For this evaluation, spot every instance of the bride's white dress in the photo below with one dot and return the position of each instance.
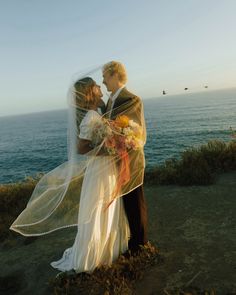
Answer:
(102, 235)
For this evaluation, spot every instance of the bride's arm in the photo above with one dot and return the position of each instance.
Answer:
(84, 146)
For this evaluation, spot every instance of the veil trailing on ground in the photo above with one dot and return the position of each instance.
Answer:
(119, 134)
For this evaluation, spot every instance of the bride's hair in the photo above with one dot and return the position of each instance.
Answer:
(84, 96)
(116, 67)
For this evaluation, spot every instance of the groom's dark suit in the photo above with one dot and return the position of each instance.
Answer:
(134, 202)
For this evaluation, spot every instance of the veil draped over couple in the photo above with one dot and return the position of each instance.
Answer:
(99, 189)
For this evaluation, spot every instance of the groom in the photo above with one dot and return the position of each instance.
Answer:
(114, 78)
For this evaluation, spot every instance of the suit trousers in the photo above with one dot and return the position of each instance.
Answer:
(136, 211)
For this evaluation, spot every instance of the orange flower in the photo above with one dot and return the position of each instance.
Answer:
(122, 121)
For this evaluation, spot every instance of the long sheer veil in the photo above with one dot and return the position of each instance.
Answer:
(55, 201)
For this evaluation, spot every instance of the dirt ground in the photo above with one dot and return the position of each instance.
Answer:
(193, 227)
(195, 230)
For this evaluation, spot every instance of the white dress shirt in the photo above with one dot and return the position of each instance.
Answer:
(114, 96)
(99, 110)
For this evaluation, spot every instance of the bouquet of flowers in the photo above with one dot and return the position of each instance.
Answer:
(119, 135)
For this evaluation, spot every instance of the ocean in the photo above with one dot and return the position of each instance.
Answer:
(37, 142)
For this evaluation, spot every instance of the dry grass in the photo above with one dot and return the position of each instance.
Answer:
(117, 279)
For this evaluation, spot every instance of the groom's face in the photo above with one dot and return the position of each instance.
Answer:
(109, 81)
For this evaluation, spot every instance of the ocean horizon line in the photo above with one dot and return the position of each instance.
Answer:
(144, 99)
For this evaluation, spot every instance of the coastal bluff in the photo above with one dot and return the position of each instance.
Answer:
(193, 228)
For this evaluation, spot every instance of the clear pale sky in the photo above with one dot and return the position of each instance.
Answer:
(164, 45)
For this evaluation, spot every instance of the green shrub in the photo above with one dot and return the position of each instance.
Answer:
(194, 169)
(13, 200)
(196, 166)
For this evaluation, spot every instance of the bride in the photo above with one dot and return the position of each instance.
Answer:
(101, 240)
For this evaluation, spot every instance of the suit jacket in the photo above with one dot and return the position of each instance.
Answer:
(129, 103)
(126, 100)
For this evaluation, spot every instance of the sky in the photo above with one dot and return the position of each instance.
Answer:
(164, 45)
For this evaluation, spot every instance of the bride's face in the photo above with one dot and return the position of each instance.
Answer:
(97, 91)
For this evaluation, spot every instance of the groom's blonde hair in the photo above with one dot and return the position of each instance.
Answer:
(116, 67)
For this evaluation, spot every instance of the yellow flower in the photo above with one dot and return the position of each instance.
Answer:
(122, 121)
